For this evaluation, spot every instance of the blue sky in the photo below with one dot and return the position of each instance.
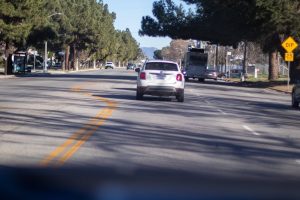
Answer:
(129, 15)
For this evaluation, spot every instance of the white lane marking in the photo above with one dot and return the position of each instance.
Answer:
(221, 111)
(250, 130)
(206, 101)
(298, 162)
(249, 94)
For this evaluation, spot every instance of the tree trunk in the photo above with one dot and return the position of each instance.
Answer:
(295, 69)
(217, 59)
(67, 58)
(6, 54)
(273, 65)
(74, 56)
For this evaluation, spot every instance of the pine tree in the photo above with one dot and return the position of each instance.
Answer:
(16, 21)
(228, 22)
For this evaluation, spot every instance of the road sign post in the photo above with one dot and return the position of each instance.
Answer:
(289, 45)
(288, 81)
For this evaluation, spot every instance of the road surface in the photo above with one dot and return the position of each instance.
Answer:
(91, 119)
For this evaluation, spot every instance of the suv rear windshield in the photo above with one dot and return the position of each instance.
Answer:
(161, 66)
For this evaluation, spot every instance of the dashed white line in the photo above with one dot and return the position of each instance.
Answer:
(206, 101)
(298, 162)
(249, 94)
(221, 111)
(250, 130)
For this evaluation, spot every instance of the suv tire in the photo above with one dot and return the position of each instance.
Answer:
(139, 95)
(180, 96)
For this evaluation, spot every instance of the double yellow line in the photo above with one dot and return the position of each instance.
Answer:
(66, 150)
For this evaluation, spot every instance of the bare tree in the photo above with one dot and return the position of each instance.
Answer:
(176, 50)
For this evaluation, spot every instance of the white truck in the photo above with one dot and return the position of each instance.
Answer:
(195, 64)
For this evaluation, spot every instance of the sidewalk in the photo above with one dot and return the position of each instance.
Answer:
(2, 76)
(41, 72)
(51, 71)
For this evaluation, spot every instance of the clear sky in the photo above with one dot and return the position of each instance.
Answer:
(129, 15)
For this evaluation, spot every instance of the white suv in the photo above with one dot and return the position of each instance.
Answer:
(160, 78)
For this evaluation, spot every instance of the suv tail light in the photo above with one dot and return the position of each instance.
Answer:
(143, 76)
(179, 77)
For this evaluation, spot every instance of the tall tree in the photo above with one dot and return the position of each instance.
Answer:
(74, 25)
(228, 22)
(16, 21)
(158, 54)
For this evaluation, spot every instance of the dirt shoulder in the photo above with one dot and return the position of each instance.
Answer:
(279, 85)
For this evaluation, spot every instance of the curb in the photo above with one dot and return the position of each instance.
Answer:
(277, 91)
(7, 76)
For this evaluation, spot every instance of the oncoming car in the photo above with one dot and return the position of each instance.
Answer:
(211, 74)
(160, 78)
(109, 65)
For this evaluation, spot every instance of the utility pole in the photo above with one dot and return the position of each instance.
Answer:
(34, 60)
(228, 53)
(245, 58)
(226, 49)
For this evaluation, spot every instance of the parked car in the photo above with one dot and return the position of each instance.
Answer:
(109, 65)
(211, 74)
(160, 78)
(131, 66)
(296, 95)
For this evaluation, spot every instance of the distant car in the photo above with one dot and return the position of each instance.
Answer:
(131, 66)
(160, 78)
(211, 74)
(296, 95)
(109, 65)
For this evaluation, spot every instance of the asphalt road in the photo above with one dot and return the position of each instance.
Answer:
(91, 119)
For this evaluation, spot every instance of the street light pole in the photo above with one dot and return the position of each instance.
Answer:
(46, 57)
(228, 64)
(34, 60)
(46, 44)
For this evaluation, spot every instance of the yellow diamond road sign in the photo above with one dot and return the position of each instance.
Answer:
(289, 44)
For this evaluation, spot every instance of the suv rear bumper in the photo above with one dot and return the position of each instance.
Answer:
(160, 90)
